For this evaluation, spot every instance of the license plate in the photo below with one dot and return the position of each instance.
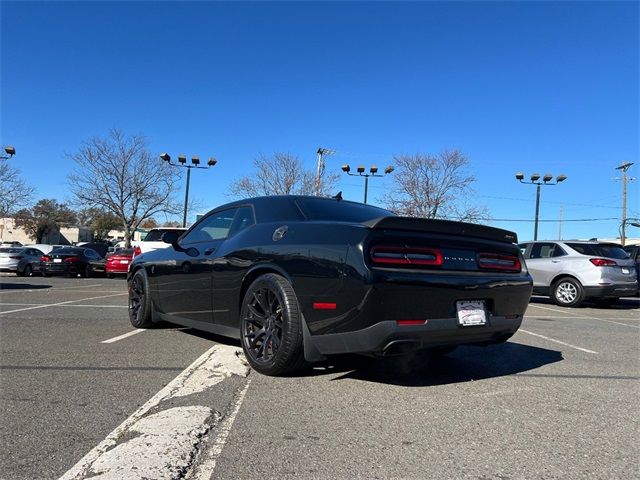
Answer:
(471, 312)
(57, 260)
(124, 261)
(626, 270)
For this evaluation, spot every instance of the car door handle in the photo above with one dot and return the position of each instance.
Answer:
(555, 261)
(209, 251)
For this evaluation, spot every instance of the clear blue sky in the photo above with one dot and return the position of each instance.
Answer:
(546, 87)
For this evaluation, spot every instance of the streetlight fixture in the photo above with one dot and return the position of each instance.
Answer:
(10, 152)
(182, 162)
(373, 172)
(535, 180)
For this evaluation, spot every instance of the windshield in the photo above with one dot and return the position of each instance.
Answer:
(600, 250)
(67, 250)
(155, 235)
(339, 211)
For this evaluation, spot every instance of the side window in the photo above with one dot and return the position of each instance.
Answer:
(242, 220)
(558, 251)
(542, 250)
(214, 227)
(90, 253)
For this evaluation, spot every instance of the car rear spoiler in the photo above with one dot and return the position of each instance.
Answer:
(442, 226)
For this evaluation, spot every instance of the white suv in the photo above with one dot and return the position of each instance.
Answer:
(570, 271)
(153, 240)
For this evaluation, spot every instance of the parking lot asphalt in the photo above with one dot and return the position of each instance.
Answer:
(559, 400)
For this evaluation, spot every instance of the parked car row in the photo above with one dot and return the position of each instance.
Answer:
(63, 260)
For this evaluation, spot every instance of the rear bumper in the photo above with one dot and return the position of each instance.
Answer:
(615, 290)
(387, 337)
(61, 269)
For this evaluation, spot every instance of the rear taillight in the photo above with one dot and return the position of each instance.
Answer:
(136, 251)
(501, 262)
(389, 255)
(72, 259)
(45, 258)
(602, 262)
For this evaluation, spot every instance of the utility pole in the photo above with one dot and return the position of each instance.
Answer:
(560, 224)
(624, 167)
(321, 153)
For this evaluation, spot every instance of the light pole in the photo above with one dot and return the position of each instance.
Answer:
(10, 152)
(182, 162)
(623, 168)
(535, 180)
(373, 172)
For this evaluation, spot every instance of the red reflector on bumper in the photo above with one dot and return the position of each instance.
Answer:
(324, 306)
(411, 322)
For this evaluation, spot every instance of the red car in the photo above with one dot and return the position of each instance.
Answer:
(118, 263)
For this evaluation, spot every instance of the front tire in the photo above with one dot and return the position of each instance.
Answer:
(28, 270)
(140, 301)
(271, 326)
(568, 292)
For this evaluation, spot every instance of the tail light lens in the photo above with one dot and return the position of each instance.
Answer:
(72, 259)
(137, 251)
(501, 262)
(390, 255)
(45, 258)
(602, 262)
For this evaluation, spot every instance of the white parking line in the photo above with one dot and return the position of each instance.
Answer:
(38, 304)
(80, 469)
(558, 341)
(59, 303)
(586, 317)
(208, 464)
(126, 335)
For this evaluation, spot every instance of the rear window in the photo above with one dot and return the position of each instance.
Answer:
(339, 211)
(156, 234)
(11, 250)
(74, 251)
(600, 250)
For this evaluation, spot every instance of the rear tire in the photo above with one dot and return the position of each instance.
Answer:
(271, 326)
(140, 300)
(568, 292)
(87, 272)
(28, 270)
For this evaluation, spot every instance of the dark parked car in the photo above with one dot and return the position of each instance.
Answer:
(299, 278)
(634, 254)
(71, 261)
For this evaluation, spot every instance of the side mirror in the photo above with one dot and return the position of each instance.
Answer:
(170, 238)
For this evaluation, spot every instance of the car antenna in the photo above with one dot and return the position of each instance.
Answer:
(338, 196)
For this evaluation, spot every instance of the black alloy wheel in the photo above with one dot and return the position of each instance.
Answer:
(139, 301)
(28, 270)
(271, 326)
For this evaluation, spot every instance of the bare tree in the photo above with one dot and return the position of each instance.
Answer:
(434, 186)
(14, 192)
(281, 174)
(119, 175)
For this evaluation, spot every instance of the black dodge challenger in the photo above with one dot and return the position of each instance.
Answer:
(298, 278)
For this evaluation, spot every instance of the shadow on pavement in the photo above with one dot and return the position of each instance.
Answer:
(22, 286)
(464, 364)
(627, 303)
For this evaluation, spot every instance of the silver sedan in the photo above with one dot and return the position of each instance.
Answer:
(20, 260)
